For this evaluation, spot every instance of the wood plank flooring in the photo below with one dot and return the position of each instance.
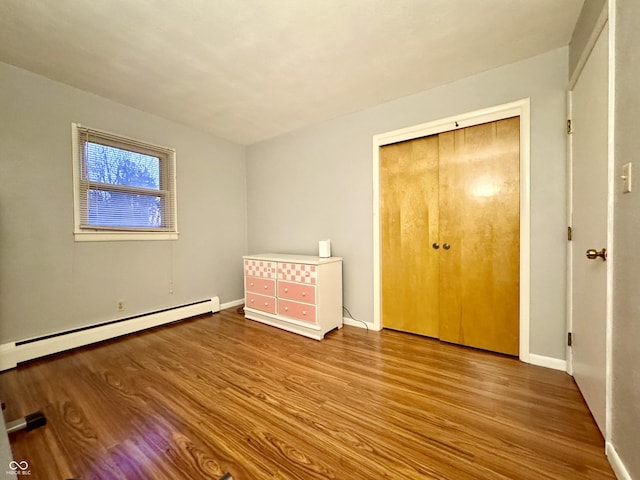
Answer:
(219, 393)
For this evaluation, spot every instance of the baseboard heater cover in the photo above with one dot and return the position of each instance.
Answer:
(13, 353)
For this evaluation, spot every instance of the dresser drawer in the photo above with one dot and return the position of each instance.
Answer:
(297, 291)
(298, 272)
(260, 268)
(299, 311)
(261, 302)
(263, 286)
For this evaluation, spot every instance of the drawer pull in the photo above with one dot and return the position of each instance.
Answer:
(286, 309)
(304, 294)
(304, 312)
(306, 274)
(251, 301)
(251, 284)
(266, 304)
(266, 286)
(286, 290)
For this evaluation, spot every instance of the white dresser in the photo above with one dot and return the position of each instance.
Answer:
(298, 293)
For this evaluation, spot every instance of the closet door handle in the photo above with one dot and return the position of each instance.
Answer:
(435, 246)
(446, 246)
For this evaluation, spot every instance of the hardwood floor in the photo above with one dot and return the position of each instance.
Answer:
(220, 393)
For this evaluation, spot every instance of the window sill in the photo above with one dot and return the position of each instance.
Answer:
(123, 236)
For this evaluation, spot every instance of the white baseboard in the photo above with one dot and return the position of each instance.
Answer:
(616, 463)
(7, 357)
(352, 323)
(355, 323)
(13, 353)
(234, 303)
(548, 362)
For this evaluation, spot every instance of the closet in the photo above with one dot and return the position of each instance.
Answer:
(450, 235)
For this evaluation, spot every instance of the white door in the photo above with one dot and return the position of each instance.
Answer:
(589, 101)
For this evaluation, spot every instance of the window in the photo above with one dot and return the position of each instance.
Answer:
(124, 188)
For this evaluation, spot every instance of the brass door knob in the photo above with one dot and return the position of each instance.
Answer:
(592, 254)
(435, 246)
(446, 246)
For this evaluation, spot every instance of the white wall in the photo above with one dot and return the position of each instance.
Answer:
(625, 429)
(48, 282)
(317, 183)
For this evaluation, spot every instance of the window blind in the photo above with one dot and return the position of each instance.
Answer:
(124, 184)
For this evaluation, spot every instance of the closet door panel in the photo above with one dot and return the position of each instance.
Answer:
(409, 226)
(479, 219)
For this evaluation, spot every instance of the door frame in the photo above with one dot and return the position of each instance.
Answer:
(519, 108)
(606, 16)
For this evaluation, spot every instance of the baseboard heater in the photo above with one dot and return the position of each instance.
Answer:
(13, 353)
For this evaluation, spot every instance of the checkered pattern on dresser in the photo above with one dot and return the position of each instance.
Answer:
(260, 268)
(297, 272)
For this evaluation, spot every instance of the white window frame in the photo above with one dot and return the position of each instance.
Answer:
(93, 234)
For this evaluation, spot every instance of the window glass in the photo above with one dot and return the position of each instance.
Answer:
(121, 167)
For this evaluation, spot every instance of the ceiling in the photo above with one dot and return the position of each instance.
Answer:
(248, 70)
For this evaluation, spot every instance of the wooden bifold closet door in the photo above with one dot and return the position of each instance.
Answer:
(450, 235)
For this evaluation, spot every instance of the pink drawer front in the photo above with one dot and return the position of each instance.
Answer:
(299, 311)
(298, 272)
(260, 268)
(297, 291)
(261, 302)
(264, 286)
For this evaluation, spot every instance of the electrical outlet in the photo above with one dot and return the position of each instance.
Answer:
(120, 305)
